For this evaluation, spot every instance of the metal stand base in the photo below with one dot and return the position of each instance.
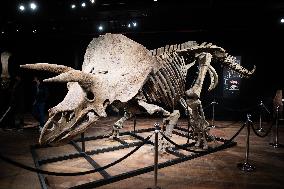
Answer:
(276, 145)
(246, 167)
(261, 130)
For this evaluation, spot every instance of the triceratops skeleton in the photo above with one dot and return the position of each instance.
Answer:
(117, 71)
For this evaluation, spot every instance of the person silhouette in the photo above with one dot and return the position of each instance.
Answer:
(40, 97)
(17, 102)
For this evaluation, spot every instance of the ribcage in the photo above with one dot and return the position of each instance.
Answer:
(167, 85)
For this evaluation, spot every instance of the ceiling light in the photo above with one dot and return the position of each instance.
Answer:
(33, 6)
(100, 28)
(34, 31)
(73, 6)
(155, 0)
(129, 25)
(22, 7)
(83, 4)
(282, 20)
(93, 1)
(134, 24)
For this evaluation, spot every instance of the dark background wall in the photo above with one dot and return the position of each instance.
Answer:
(250, 29)
(264, 52)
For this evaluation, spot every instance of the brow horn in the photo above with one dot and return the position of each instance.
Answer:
(54, 68)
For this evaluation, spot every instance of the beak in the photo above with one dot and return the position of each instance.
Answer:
(64, 126)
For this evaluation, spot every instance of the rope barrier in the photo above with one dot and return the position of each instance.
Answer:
(4, 115)
(179, 146)
(32, 169)
(196, 151)
(260, 135)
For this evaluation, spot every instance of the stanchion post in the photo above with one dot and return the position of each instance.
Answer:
(260, 129)
(213, 103)
(83, 141)
(276, 144)
(246, 166)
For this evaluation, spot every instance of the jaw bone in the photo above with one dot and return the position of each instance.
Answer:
(63, 126)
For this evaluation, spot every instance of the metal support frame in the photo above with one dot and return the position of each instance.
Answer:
(156, 156)
(246, 166)
(134, 123)
(107, 178)
(276, 143)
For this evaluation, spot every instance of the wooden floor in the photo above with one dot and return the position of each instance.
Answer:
(217, 170)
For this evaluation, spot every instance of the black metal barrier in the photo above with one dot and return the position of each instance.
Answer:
(37, 170)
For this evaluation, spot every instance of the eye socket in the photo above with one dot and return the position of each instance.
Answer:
(90, 96)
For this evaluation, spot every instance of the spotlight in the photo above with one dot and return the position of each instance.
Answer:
(155, 0)
(83, 4)
(22, 7)
(282, 20)
(73, 6)
(34, 31)
(134, 24)
(33, 6)
(100, 28)
(129, 25)
(17, 30)
(2, 32)
(92, 1)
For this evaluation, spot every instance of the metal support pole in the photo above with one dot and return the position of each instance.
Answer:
(134, 124)
(83, 141)
(276, 144)
(246, 166)
(157, 130)
(188, 125)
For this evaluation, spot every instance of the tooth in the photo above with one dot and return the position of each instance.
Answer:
(62, 119)
(71, 116)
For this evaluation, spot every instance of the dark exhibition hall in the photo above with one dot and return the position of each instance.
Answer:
(144, 94)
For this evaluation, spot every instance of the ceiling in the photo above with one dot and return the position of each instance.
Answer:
(57, 17)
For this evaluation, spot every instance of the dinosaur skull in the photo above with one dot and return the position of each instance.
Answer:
(70, 117)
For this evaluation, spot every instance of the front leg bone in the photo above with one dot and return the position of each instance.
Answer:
(119, 124)
(170, 122)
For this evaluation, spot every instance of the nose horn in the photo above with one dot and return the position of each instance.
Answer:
(84, 79)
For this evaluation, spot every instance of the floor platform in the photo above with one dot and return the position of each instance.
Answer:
(215, 170)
